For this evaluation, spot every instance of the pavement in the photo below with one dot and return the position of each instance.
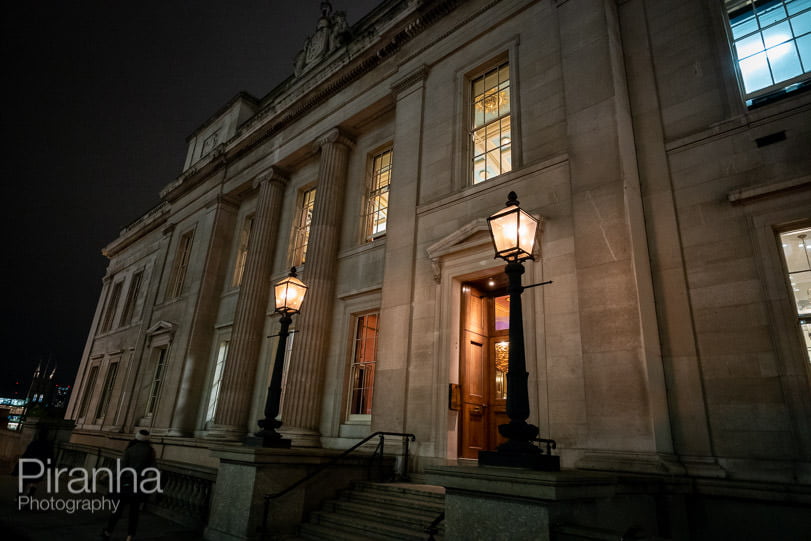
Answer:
(81, 525)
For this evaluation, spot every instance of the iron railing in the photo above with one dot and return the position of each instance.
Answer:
(377, 454)
(433, 528)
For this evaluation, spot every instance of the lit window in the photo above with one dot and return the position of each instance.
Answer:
(181, 264)
(362, 371)
(242, 251)
(112, 306)
(771, 41)
(88, 390)
(377, 201)
(222, 353)
(797, 253)
(157, 379)
(301, 233)
(107, 391)
(491, 127)
(132, 298)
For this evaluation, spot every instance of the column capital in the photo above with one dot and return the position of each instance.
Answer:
(409, 80)
(272, 174)
(336, 136)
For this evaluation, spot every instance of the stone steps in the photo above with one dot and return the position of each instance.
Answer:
(377, 511)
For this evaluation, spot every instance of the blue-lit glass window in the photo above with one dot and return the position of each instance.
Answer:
(772, 43)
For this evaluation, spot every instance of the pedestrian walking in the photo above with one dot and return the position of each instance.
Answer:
(139, 455)
(39, 449)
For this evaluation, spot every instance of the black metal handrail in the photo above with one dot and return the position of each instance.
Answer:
(433, 528)
(378, 452)
(550, 444)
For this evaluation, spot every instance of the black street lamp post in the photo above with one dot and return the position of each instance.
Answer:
(289, 294)
(513, 231)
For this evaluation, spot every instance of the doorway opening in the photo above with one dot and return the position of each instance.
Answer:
(485, 325)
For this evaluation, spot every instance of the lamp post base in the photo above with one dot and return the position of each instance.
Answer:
(519, 451)
(536, 461)
(270, 439)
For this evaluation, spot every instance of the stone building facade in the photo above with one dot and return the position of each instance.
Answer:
(667, 154)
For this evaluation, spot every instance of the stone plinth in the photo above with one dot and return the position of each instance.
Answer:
(246, 474)
(490, 503)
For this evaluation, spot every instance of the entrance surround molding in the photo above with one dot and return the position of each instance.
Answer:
(464, 255)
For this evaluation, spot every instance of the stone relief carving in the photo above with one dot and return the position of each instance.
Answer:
(331, 33)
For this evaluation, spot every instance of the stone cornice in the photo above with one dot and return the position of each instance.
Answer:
(138, 229)
(338, 72)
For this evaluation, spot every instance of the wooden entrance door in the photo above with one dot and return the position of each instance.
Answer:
(482, 374)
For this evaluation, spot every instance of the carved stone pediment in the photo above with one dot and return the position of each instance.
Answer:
(473, 236)
(161, 327)
(331, 33)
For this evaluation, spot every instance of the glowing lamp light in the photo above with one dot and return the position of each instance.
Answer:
(290, 294)
(513, 231)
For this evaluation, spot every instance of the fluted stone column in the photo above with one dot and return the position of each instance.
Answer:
(301, 410)
(236, 389)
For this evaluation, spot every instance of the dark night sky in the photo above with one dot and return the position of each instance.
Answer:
(100, 97)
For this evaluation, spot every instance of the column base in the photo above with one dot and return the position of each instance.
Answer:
(301, 437)
(226, 433)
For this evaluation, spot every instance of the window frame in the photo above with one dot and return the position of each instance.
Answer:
(180, 265)
(160, 358)
(470, 128)
(223, 344)
(353, 353)
(106, 390)
(777, 89)
(241, 257)
(112, 307)
(368, 213)
(298, 251)
(134, 291)
(800, 319)
(87, 393)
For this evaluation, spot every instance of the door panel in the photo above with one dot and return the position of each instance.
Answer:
(483, 370)
(497, 401)
(474, 434)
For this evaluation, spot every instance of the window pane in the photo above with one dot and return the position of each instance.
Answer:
(502, 309)
(796, 6)
(478, 87)
(302, 233)
(222, 353)
(364, 358)
(491, 80)
(755, 72)
(771, 13)
(749, 46)
(506, 159)
(784, 61)
(777, 34)
(801, 24)
(479, 142)
(806, 330)
(504, 73)
(504, 101)
(493, 135)
(479, 170)
(743, 25)
(797, 250)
